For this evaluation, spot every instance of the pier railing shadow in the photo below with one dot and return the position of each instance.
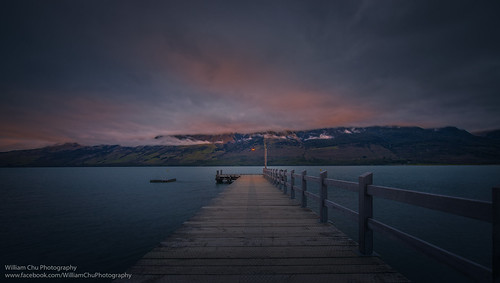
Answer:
(298, 187)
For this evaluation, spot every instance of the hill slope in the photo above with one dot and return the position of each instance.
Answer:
(332, 146)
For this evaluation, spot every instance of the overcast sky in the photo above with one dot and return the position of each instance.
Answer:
(123, 72)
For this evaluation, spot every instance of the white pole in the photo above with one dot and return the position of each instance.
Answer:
(265, 153)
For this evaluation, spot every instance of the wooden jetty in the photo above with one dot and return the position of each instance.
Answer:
(225, 178)
(252, 232)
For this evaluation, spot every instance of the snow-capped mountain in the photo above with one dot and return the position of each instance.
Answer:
(334, 146)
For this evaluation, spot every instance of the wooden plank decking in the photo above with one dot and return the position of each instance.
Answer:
(253, 233)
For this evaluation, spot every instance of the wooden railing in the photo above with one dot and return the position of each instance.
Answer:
(486, 211)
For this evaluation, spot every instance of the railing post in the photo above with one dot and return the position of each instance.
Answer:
(281, 180)
(495, 267)
(365, 212)
(304, 188)
(292, 183)
(323, 194)
(284, 182)
(278, 175)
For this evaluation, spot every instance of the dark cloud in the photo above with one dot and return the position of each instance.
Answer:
(126, 71)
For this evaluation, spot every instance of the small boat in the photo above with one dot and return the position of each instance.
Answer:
(163, 181)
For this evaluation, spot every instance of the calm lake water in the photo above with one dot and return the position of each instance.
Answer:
(105, 219)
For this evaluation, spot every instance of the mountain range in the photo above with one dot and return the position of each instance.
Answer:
(328, 146)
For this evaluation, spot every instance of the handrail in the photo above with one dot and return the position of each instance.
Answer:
(346, 211)
(350, 186)
(475, 209)
(477, 271)
(312, 195)
(312, 179)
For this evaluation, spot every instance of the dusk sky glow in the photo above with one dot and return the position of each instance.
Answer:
(123, 72)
